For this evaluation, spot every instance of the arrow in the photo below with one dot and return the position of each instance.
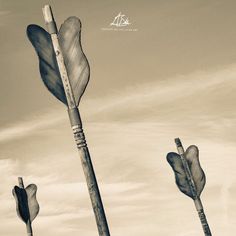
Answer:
(64, 70)
(190, 178)
(27, 207)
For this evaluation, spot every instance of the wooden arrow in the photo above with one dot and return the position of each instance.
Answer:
(190, 178)
(27, 207)
(65, 72)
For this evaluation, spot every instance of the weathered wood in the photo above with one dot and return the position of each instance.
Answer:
(77, 129)
(21, 183)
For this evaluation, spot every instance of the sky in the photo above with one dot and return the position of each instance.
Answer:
(174, 76)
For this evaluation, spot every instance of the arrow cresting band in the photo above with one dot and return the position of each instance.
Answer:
(79, 136)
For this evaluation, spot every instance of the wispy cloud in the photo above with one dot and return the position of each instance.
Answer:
(4, 13)
(156, 101)
(31, 124)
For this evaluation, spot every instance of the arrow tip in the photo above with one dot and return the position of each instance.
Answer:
(178, 142)
(20, 181)
(47, 12)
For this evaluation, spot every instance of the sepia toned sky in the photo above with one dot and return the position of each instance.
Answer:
(173, 77)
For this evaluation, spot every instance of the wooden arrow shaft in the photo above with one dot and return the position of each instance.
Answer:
(29, 228)
(197, 200)
(77, 130)
(202, 216)
(63, 72)
(93, 189)
(52, 30)
(186, 168)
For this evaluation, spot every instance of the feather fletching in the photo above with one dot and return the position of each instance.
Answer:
(198, 175)
(77, 66)
(48, 67)
(33, 205)
(27, 207)
(75, 61)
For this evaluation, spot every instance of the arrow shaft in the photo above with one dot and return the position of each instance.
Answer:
(52, 30)
(92, 185)
(21, 183)
(197, 200)
(29, 228)
(63, 72)
(76, 125)
(187, 169)
(202, 216)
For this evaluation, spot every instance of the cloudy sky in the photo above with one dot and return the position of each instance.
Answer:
(173, 77)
